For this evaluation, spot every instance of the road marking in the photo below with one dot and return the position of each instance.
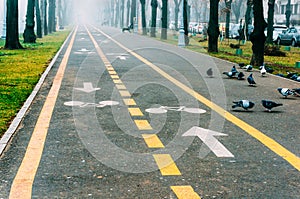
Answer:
(115, 76)
(152, 141)
(185, 192)
(112, 72)
(117, 81)
(255, 133)
(88, 87)
(143, 124)
(22, 184)
(166, 165)
(121, 87)
(135, 112)
(124, 93)
(129, 102)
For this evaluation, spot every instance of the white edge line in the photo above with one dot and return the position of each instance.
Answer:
(20, 115)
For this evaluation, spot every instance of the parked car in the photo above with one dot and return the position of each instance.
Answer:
(192, 27)
(290, 37)
(277, 29)
(234, 31)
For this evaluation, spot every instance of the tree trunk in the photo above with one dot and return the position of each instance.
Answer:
(228, 12)
(12, 25)
(133, 12)
(45, 18)
(164, 19)
(117, 11)
(257, 37)
(60, 18)
(29, 35)
(38, 19)
(248, 19)
(177, 3)
(122, 13)
(271, 4)
(51, 19)
(153, 17)
(143, 2)
(288, 13)
(185, 22)
(128, 12)
(213, 26)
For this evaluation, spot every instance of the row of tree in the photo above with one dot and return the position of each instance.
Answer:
(44, 11)
(254, 9)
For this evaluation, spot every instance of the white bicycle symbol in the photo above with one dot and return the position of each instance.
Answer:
(164, 109)
(83, 104)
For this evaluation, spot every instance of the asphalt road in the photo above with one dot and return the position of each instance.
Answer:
(133, 117)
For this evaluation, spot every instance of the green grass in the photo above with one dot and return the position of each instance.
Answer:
(279, 64)
(20, 70)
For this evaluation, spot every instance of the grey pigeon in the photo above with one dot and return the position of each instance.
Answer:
(285, 92)
(296, 91)
(250, 80)
(241, 65)
(233, 69)
(240, 76)
(209, 72)
(248, 67)
(245, 104)
(230, 74)
(270, 104)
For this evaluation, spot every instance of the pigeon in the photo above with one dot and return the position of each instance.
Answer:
(269, 70)
(230, 74)
(248, 67)
(285, 92)
(289, 74)
(296, 91)
(269, 104)
(250, 80)
(233, 69)
(245, 104)
(298, 79)
(240, 76)
(263, 71)
(241, 65)
(294, 77)
(209, 72)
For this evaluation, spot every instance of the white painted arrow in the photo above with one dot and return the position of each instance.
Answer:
(87, 87)
(122, 57)
(207, 137)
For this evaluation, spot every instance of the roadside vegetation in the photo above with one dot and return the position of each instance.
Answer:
(280, 64)
(20, 70)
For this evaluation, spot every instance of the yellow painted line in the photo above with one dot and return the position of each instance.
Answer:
(143, 125)
(110, 68)
(185, 192)
(166, 165)
(124, 93)
(255, 133)
(129, 102)
(22, 184)
(117, 81)
(112, 72)
(152, 141)
(115, 76)
(135, 112)
(121, 86)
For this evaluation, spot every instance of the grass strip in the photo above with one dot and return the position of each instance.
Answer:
(20, 70)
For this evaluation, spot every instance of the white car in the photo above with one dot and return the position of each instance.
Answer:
(277, 29)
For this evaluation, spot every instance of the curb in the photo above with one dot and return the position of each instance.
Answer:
(20, 115)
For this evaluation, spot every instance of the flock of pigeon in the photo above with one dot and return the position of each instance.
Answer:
(246, 104)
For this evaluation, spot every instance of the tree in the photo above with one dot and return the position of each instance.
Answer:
(122, 13)
(257, 37)
(143, 2)
(237, 8)
(271, 4)
(288, 13)
(213, 26)
(248, 18)
(185, 22)
(154, 5)
(38, 19)
(60, 17)
(29, 35)
(133, 12)
(12, 25)
(164, 19)
(128, 11)
(228, 11)
(51, 16)
(177, 3)
(45, 17)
